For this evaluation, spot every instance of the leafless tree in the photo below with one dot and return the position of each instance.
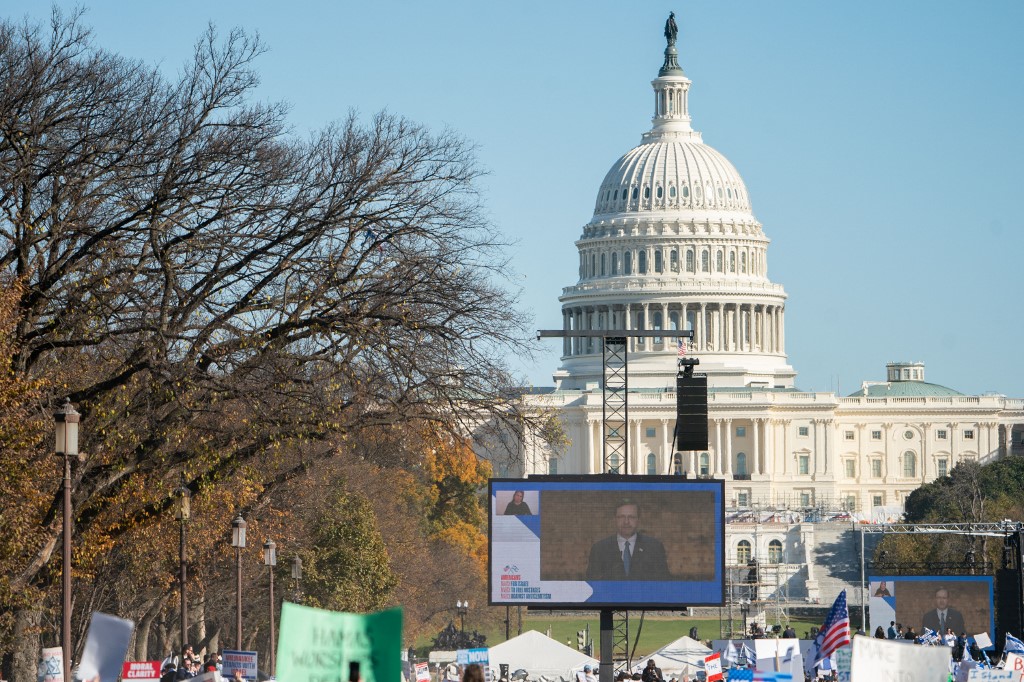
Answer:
(219, 287)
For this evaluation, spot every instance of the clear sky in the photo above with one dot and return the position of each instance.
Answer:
(881, 142)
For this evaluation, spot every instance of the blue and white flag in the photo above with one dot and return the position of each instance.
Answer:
(930, 637)
(729, 655)
(749, 654)
(1013, 645)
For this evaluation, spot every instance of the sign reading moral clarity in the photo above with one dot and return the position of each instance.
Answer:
(142, 671)
(317, 645)
(884, 659)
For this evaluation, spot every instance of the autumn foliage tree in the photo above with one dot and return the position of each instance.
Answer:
(223, 300)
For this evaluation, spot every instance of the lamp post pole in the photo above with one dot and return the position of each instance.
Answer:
(297, 576)
(461, 607)
(270, 559)
(183, 514)
(66, 422)
(238, 542)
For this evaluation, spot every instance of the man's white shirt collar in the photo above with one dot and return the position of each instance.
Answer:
(622, 543)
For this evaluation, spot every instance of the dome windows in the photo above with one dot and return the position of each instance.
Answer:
(705, 261)
(636, 193)
(659, 265)
(647, 192)
(672, 192)
(686, 191)
(615, 263)
(689, 260)
(660, 192)
(719, 262)
(641, 263)
(732, 261)
(627, 263)
(602, 264)
(673, 259)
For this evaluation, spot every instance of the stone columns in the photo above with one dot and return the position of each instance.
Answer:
(718, 448)
(953, 459)
(769, 447)
(666, 452)
(755, 427)
(728, 447)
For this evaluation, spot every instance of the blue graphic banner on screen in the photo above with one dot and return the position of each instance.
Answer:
(961, 603)
(606, 541)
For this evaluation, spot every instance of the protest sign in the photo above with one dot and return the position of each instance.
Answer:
(991, 675)
(246, 661)
(317, 645)
(422, 672)
(1015, 664)
(51, 667)
(713, 667)
(883, 660)
(142, 671)
(843, 655)
(105, 648)
(983, 641)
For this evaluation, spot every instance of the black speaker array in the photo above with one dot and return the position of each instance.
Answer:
(691, 412)
(1008, 605)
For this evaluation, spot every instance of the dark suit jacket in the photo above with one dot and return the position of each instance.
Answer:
(954, 619)
(648, 560)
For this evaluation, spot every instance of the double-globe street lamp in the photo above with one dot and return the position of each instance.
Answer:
(238, 542)
(270, 559)
(66, 422)
(461, 608)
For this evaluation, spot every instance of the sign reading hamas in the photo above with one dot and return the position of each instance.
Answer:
(318, 646)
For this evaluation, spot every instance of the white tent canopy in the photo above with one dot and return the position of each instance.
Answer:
(540, 656)
(685, 655)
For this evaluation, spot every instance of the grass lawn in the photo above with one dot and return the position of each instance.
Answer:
(657, 631)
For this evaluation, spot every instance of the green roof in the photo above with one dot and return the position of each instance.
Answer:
(904, 389)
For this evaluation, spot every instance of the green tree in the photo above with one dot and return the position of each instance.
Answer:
(347, 567)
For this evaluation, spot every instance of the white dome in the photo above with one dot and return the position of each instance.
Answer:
(672, 175)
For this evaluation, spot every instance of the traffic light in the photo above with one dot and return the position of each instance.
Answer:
(581, 639)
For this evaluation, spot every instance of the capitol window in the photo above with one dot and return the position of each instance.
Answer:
(804, 464)
(673, 319)
(732, 261)
(941, 434)
(743, 262)
(741, 464)
(652, 464)
(641, 262)
(719, 192)
(718, 261)
(686, 191)
(876, 435)
(673, 259)
(851, 468)
(677, 464)
(909, 465)
(627, 263)
(876, 468)
(658, 264)
(775, 552)
(802, 431)
(660, 192)
(969, 434)
(552, 466)
(848, 435)
(728, 192)
(647, 192)
(689, 260)
(704, 467)
(942, 467)
(602, 264)
(613, 464)
(743, 552)
(705, 261)
(672, 192)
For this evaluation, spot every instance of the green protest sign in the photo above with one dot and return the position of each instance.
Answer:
(318, 646)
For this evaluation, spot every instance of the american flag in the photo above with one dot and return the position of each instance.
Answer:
(681, 345)
(835, 632)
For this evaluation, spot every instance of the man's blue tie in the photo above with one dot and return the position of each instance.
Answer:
(626, 558)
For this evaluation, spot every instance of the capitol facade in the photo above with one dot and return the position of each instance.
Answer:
(674, 244)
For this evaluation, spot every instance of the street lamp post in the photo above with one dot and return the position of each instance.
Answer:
(66, 428)
(183, 513)
(238, 542)
(270, 559)
(744, 610)
(461, 607)
(297, 576)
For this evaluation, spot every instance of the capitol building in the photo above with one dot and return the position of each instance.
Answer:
(673, 244)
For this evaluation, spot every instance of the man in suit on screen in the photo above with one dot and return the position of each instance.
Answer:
(943, 616)
(629, 554)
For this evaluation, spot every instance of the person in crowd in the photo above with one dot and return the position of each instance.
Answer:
(169, 673)
(473, 673)
(589, 673)
(949, 638)
(910, 634)
(891, 632)
(880, 633)
(943, 615)
(652, 673)
(517, 507)
(629, 554)
(789, 632)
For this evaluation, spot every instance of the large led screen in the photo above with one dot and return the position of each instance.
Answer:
(962, 604)
(606, 541)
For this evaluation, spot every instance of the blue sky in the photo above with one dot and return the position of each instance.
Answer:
(880, 142)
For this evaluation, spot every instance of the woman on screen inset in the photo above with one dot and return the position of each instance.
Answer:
(517, 507)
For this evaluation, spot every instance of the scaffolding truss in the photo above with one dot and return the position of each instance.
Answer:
(615, 409)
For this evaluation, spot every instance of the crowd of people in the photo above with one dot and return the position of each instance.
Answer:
(190, 664)
(958, 643)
